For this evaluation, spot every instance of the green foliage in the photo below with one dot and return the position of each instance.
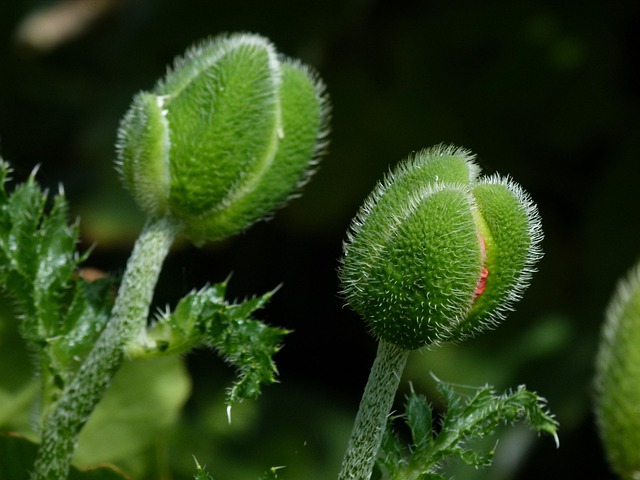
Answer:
(205, 318)
(468, 417)
(201, 473)
(18, 453)
(61, 315)
(129, 426)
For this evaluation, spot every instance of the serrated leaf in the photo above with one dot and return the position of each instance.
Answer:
(391, 455)
(467, 418)
(60, 314)
(418, 414)
(201, 473)
(205, 318)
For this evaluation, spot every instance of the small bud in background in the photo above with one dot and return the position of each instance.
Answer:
(225, 138)
(437, 254)
(617, 382)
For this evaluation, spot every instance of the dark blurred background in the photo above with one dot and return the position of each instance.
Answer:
(546, 92)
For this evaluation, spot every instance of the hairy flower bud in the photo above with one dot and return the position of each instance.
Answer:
(617, 383)
(224, 138)
(437, 253)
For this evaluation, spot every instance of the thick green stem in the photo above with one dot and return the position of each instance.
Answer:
(128, 319)
(375, 406)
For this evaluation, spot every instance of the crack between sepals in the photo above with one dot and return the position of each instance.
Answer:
(484, 273)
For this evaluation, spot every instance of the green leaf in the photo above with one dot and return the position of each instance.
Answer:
(468, 417)
(392, 453)
(205, 318)
(17, 455)
(418, 414)
(61, 315)
(143, 401)
(18, 387)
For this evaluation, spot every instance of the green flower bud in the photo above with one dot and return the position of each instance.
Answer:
(437, 253)
(617, 382)
(227, 136)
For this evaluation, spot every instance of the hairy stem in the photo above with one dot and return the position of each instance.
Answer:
(128, 319)
(375, 406)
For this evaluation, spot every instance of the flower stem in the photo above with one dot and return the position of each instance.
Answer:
(128, 319)
(375, 406)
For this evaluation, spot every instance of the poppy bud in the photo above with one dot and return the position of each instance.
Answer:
(227, 136)
(437, 253)
(617, 383)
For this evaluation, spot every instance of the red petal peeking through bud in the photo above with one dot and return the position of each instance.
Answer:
(482, 282)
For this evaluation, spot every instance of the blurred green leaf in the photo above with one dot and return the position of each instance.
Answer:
(17, 455)
(144, 399)
(18, 387)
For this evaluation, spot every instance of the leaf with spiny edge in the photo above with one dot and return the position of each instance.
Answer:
(467, 418)
(61, 314)
(205, 318)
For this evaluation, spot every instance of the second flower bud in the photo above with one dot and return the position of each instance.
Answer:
(437, 253)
